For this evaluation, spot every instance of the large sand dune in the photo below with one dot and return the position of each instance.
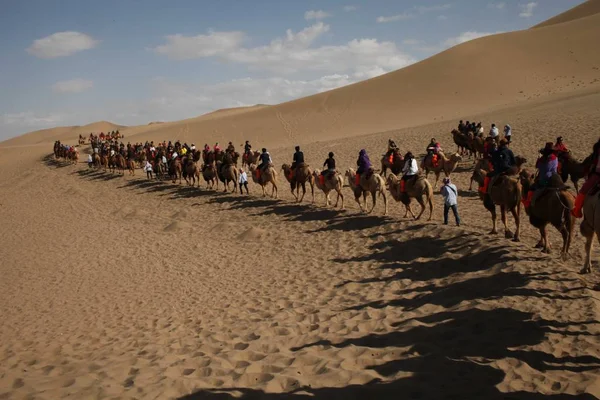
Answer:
(119, 287)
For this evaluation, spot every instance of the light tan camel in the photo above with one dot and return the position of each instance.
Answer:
(444, 164)
(330, 184)
(250, 158)
(506, 193)
(267, 176)
(590, 227)
(550, 205)
(120, 164)
(227, 174)
(175, 170)
(374, 184)
(419, 189)
(302, 176)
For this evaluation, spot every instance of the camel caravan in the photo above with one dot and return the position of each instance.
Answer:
(502, 179)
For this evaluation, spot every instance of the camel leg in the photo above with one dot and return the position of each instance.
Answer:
(516, 212)
(546, 247)
(326, 199)
(263, 189)
(303, 192)
(374, 198)
(340, 195)
(540, 244)
(422, 204)
(437, 178)
(385, 203)
(507, 233)
(294, 194)
(357, 199)
(589, 243)
(494, 216)
(430, 200)
(312, 191)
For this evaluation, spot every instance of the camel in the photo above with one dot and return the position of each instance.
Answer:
(104, 161)
(374, 184)
(506, 192)
(477, 145)
(550, 205)
(302, 175)
(120, 164)
(463, 146)
(485, 165)
(209, 173)
(74, 157)
(445, 165)
(329, 184)
(131, 166)
(251, 158)
(570, 167)
(420, 189)
(396, 167)
(226, 174)
(590, 226)
(175, 170)
(192, 172)
(267, 176)
(96, 160)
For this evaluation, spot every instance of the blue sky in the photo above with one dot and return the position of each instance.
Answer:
(73, 62)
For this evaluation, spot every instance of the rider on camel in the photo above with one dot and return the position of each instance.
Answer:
(247, 149)
(547, 166)
(392, 147)
(433, 148)
(560, 146)
(363, 163)
(503, 160)
(590, 183)
(461, 126)
(297, 162)
(265, 161)
(330, 171)
(230, 148)
(216, 148)
(410, 170)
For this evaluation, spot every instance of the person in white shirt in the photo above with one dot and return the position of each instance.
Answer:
(410, 170)
(494, 132)
(174, 156)
(243, 181)
(148, 168)
(450, 195)
(90, 161)
(507, 133)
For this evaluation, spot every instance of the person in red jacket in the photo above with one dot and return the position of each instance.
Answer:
(592, 180)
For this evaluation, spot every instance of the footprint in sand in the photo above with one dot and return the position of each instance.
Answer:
(253, 235)
(176, 226)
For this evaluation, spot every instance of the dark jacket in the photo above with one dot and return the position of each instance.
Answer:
(298, 157)
(503, 159)
(265, 158)
(330, 163)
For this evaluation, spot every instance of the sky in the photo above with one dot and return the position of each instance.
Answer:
(73, 62)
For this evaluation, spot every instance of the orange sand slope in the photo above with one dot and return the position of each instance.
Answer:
(583, 10)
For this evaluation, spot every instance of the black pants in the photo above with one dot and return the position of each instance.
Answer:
(245, 184)
(454, 211)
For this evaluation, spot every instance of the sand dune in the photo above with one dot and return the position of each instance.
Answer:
(120, 287)
(590, 7)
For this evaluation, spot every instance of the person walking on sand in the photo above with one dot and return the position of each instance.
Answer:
(243, 181)
(450, 195)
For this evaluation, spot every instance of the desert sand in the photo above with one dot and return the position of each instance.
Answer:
(120, 287)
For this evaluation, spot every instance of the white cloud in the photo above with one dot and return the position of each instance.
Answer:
(61, 44)
(295, 53)
(527, 9)
(393, 18)
(181, 47)
(72, 86)
(498, 6)
(318, 14)
(465, 37)
(350, 8)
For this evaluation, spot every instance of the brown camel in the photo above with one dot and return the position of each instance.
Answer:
(131, 166)
(299, 179)
(192, 172)
(175, 170)
(444, 164)
(104, 161)
(477, 145)
(209, 173)
(419, 189)
(74, 157)
(463, 146)
(485, 165)
(227, 174)
(505, 192)
(370, 182)
(590, 226)
(550, 205)
(330, 183)
(395, 166)
(572, 168)
(96, 160)
(251, 158)
(120, 164)
(267, 176)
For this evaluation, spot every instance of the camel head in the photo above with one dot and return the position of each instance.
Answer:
(520, 160)
(456, 158)
(285, 167)
(392, 180)
(350, 173)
